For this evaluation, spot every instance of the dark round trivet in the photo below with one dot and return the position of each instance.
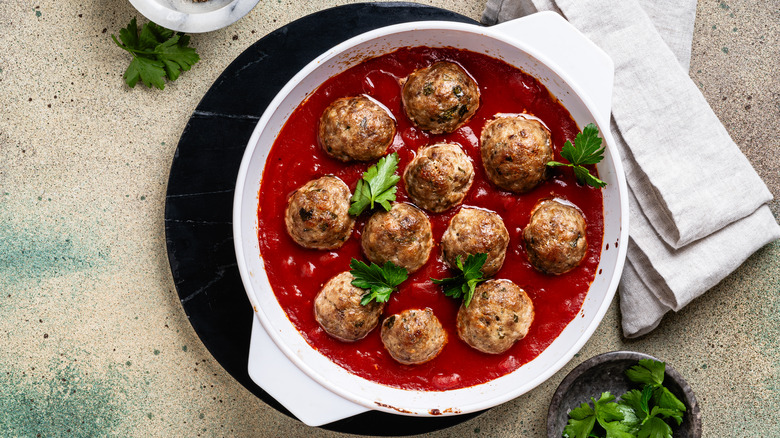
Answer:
(199, 202)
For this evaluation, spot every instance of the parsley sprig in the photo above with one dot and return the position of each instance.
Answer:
(463, 284)
(639, 413)
(379, 281)
(157, 53)
(377, 186)
(587, 149)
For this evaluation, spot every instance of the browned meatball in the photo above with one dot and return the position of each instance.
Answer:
(474, 231)
(515, 152)
(555, 237)
(339, 312)
(440, 98)
(402, 235)
(317, 214)
(439, 177)
(413, 336)
(356, 128)
(499, 315)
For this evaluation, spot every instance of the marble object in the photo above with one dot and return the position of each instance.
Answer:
(606, 372)
(191, 16)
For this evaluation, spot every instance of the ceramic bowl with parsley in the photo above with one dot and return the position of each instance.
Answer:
(624, 394)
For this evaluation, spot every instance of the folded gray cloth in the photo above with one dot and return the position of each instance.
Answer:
(697, 207)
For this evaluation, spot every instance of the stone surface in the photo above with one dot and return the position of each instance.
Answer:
(94, 339)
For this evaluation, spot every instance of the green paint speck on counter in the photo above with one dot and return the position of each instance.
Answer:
(62, 401)
(29, 252)
(184, 348)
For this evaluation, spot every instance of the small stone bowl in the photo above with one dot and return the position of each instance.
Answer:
(606, 372)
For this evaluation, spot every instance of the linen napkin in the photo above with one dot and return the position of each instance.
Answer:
(697, 208)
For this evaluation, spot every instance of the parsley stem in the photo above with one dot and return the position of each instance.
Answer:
(132, 51)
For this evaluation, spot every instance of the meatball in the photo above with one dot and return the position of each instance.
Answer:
(515, 152)
(474, 231)
(339, 312)
(555, 237)
(402, 235)
(413, 336)
(317, 214)
(439, 177)
(499, 315)
(356, 128)
(440, 98)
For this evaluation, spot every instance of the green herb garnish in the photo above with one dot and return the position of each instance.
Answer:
(449, 113)
(379, 281)
(157, 53)
(588, 150)
(378, 185)
(463, 284)
(457, 91)
(638, 414)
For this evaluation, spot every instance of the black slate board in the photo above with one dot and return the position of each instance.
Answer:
(198, 208)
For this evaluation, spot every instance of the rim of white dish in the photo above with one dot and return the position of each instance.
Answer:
(501, 397)
(194, 22)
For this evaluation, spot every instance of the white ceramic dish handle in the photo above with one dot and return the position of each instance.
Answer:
(586, 64)
(271, 370)
(546, 32)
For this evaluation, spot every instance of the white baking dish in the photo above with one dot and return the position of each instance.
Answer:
(577, 73)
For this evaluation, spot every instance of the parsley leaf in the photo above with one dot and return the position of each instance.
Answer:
(638, 401)
(148, 70)
(648, 372)
(654, 428)
(638, 414)
(609, 415)
(377, 186)
(587, 149)
(379, 281)
(629, 416)
(581, 422)
(663, 398)
(668, 413)
(606, 411)
(463, 284)
(157, 53)
(618, 429)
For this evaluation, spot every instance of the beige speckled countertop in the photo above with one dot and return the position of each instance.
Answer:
(93, 339)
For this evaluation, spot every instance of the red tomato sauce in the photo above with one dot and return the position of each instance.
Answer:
(297, 274)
